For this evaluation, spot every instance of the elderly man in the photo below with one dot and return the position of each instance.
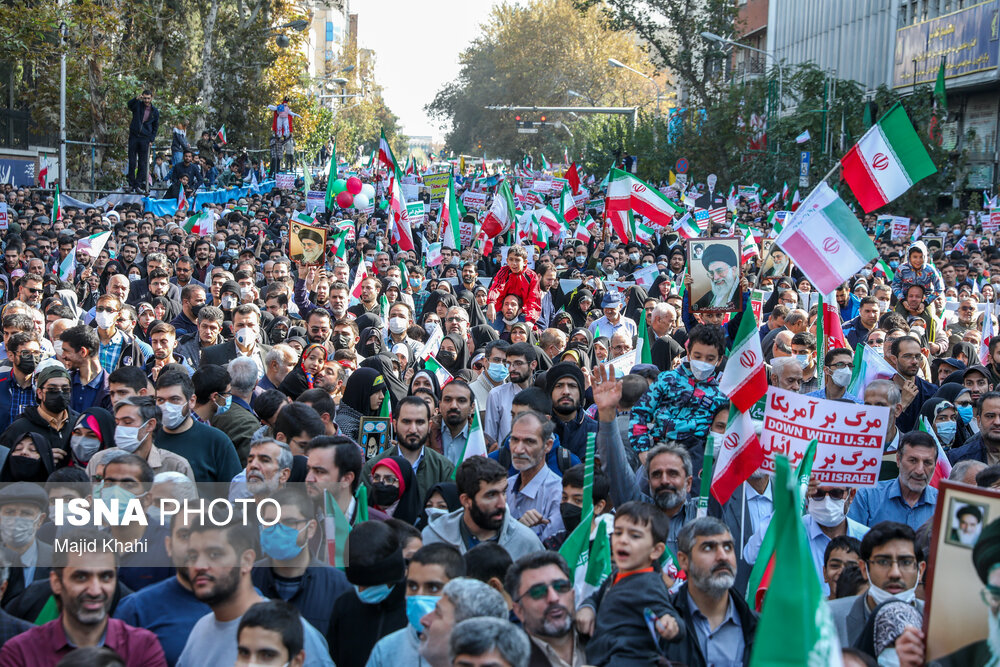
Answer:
(786, 373)
(534, 493)
(240, 422)
(613, 320)
(460, 599)
(908, 499)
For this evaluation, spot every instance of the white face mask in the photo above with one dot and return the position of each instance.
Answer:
(827, 512)
(701, 370)
(842, 377)
(883, 306)
(105, 320)
(245, 336)
(127, 437)
(173, 415)
(397, 325)
(880, 596)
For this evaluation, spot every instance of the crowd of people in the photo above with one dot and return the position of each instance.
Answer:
(173, 360)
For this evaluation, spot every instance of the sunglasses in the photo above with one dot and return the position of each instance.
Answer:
(538, 591)
(836, 494)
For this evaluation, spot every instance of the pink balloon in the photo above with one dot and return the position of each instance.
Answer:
(345, 199)
(354, 185)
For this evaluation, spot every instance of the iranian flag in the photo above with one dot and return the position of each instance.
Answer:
(833, 332)
(826, 241)
(749, 247)
(626, 192)
(340, 237)
(745, 379)
(402, 235)
(475, 443)
(642, 233)
(440, 372)
(942, 466)
(338, 527)
(67, 268)
(449, 218)
(573, 178)
(582, 234)
(182, 201)
(221, 134)
(43, 173)
(796, 202)
(501, 214)
(359, 275)
(984, 340)
(545, 164)
(784, 191)
(57, 213)
(550, 219)
(431, 345)
(887, 161)
(621, 222)
(567, 207)
(331, 176)
(93, 244)
(886, 269)
(868, 367)
(687, 227)
(200, 224)
(433, 254)
(738, 456)
(795, 627)
(386, 157)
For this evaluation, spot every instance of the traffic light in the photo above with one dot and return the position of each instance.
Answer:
(542, 119)
(517, 118)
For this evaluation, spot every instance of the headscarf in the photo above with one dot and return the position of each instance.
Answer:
(635, 298)
(370, 342)
(435, 385)
(369, 320)
(461, 354)
(359, 389)
(107, 273)
(20, 429)
(573, 308)
(483, 334)
(585, 350)
(408, 506)
(102, 423)
(449, 493)
(382, 363)
(476, 315)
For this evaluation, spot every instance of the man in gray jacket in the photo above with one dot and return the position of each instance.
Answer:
(482, 489)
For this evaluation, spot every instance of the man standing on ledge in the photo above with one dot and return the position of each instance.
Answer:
(141, 133)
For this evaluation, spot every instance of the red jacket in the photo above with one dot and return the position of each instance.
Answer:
(523, 285)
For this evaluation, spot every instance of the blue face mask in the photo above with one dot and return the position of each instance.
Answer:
(497, 372)
(373, 594)
(221, 409)
(965, 412)
(280, 542)
(946, 431)
(418, 606)
(122, 495)
(893, 264)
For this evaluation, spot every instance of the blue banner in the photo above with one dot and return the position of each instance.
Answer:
(966, 39)
(18, 172)
(169, 206)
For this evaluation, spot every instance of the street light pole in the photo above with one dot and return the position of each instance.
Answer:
(616, 63)
(62, 105)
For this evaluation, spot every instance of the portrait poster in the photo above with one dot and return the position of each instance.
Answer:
(776, 262)
(373, 434)
(306, 243)
(933, 243)
(714, 264)
(962, 581)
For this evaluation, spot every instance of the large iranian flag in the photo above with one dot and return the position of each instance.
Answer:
(449, 218)
(626, 192)
(887, 161)
(826, 241)
(737, 457)
(386, 157)
(796, 626)
(745, 379)
(402, 235)
(501, 214)
(868, 367)
(567, 207)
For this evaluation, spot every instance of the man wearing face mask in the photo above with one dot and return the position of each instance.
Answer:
(496, 373)
(804, 349)
(16, 391)
(893, 564)
(245, 343)
(400, 320)
(229, 297)
(909, 499)
(839, 365)
(51, 417)
(136, 420)
(117, 348)
(22, 510)
(288, 571)
(681, 403)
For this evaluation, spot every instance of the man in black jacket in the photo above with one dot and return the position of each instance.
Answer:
(720, 624)
(141, 133)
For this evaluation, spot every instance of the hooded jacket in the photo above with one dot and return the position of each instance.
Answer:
(927, 277)
(515, 537)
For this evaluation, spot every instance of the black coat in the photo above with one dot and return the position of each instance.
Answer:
(137, 129)
(223, 353)
(321, 586)
(356, 627)
(688, 651)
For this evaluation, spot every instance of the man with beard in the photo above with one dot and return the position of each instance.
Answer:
(522, 360)
(909, 498)
(483, 517)
(720, 624)
(456, 418)
(269, 465)
(460, 599)
(168, 608)
(565, 385)
(219, 562)
(668, 466)
(545, 603)
(723, 268)
(84, 587)
(533, 494)
(413, 420)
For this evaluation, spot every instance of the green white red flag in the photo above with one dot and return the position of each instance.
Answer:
(221, 135)
(745, 379)
(386, 157)
(687, 227)
(737, 456)
(200, 224)
(449, 219)
(502, 212)
(402, 235)
(887, 161)
(440, 372)
(567, 207)
(868, 367)
(626, 192)
(475, 442)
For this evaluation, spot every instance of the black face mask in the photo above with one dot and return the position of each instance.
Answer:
(571, 515)
(26, 364)
(195, 310)
(446, 357)
(56, 402)
(24, 468)
(279, 335)
(384, 495)
(341, 341)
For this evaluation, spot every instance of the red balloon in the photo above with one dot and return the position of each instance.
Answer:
(345, 199)
(354, 185)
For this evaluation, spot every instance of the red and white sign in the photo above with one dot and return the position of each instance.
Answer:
(474, 200)
(850, 436)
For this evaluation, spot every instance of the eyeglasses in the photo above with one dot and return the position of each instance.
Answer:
(105, 309)
(538, 591)
(905, 563)
(836, 494)
(58, 390)
(842, 364)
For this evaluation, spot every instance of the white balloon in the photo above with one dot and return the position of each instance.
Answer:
(368, 190)
(360, 201)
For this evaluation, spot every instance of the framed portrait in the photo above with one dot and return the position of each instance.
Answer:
(373, 435)
(306, 243)
(714, 264)
(962, 581)
(776, 263)
(933, 243)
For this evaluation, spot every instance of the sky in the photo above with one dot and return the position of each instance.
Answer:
(417, 44)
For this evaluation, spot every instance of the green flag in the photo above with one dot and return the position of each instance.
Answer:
(362, 498)
(307, 179)
(647, 346)
(330, 178)
(576, 548)
(940, 96)
(337, 528)
(795, 627)
(599, 562)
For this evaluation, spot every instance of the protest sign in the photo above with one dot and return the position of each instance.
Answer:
(567, 285)
(4, 220)
(757, 303)
(410, 191)
(306, 242)
(964, 555)
(621, 366)
(474, 200)
(544, 187)
(850, 436)
(315, 201)
(437, 184)
(284, 181)
(900, 227)
(992, 224)
(415, 212)
(532, 199)
(466, 230)
(581, 199)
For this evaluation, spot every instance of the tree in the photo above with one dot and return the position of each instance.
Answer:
(534, 54)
